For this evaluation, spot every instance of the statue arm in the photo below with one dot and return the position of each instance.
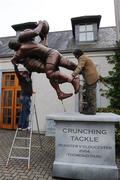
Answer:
(17, 58)
(44, 33)
(38, 29)
(31, 33)
(14, 59)
(45, 41)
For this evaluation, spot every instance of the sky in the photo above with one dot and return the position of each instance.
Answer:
(58, 13)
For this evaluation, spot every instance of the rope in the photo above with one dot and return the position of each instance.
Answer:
(63, 106)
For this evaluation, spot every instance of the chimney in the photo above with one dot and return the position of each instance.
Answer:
(21, 27)
(117, 17)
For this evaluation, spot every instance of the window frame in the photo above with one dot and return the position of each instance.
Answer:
(85, 40)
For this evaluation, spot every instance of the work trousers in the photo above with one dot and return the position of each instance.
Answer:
(89, 97)
(25, 111)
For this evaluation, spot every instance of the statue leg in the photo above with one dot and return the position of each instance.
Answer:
(34, 65)
(51, 68)
(61, 95)
(64, 62)
(64, 78)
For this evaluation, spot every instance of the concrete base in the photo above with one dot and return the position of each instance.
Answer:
(84, 171)
(84, 146)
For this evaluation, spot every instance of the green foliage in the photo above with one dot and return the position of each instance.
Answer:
(117, 135)
(116, 111)
(112, 81)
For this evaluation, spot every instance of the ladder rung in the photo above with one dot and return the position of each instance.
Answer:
(18, 157)
(22, 138)
(20, 147)
(83, 102)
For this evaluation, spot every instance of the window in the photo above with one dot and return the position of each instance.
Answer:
(86, 33)
(10, 102)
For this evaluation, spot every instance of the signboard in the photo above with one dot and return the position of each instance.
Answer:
(83, 142)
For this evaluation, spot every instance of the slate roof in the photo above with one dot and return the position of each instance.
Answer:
(64, 42)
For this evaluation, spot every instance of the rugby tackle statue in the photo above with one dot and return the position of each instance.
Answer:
(38, 57)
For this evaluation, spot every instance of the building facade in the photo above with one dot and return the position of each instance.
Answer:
(87, 35)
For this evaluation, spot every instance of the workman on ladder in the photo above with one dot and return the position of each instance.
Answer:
(22, 141)
(25, 82)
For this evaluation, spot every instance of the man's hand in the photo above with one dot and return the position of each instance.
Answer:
(13, 62)
(40, 22)
(73, 75)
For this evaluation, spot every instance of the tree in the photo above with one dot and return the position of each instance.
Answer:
(112, 81)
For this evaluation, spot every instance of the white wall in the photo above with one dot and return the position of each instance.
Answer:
(46, 98)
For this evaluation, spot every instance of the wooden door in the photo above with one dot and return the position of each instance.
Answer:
(10, 105)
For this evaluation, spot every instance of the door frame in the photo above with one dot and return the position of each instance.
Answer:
(14, 107)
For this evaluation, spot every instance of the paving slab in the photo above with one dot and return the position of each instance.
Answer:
(41, 160)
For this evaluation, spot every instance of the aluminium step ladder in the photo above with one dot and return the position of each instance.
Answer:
(23, 139)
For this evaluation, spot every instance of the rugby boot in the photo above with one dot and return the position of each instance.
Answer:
(62, 95)
(76, 84)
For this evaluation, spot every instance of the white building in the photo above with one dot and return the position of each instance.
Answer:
(86, 34)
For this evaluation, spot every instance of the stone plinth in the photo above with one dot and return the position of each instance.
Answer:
(85, 146)
(50, 127)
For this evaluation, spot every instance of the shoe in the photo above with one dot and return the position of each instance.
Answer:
(29, 128)
(19, 128)
(88, 113)
(24, 129)
(76, 84)
(62, 95)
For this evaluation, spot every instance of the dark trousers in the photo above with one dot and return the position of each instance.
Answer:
(89, 97)
(25, 111)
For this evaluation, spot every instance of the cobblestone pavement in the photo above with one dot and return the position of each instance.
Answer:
(41, 160)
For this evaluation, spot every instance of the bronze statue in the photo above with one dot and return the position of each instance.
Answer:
(37, 57)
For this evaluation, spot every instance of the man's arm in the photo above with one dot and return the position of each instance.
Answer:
(76, 71)
(17, 71)
(81, 64)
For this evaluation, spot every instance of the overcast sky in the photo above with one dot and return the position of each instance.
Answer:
(57, 12)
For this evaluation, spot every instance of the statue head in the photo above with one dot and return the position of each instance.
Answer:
(77, 53)
(14, 44)
(23, 37)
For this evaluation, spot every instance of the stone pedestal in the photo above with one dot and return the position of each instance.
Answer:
(85, 146)
(50, 127)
